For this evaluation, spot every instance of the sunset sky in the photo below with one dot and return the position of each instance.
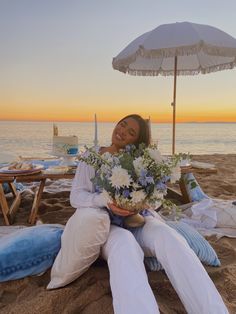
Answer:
(56, 61)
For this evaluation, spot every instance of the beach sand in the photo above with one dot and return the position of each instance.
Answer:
(91, 292)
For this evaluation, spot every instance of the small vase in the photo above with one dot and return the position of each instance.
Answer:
(134, 221)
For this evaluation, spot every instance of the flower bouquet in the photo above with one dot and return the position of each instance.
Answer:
(134, 179)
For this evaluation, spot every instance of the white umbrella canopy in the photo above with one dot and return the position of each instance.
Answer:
(178, 49)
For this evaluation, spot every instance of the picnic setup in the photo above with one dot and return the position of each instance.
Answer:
(136, 216)
(199, 215)
(39, 174)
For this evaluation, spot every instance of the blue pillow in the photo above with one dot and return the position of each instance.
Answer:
(18, 186)
(196, 241)
(29, 251)
(194, 191)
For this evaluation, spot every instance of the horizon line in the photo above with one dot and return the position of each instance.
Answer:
(106, 121)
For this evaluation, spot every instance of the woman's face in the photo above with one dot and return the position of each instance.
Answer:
(125, 132)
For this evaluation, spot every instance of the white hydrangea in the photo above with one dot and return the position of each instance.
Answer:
(155, 154)
(120, 177)
(138, 165)
(175, 174)
(137, 196)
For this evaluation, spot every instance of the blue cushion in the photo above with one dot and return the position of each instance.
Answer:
(18, 186)
(29, 251)
(194, 191)
(196, 241)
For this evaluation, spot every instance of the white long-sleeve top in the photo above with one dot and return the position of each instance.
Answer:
(83, 193)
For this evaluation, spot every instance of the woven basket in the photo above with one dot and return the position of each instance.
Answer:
(133, 208)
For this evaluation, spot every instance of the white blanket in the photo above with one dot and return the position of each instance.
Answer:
(213, 216)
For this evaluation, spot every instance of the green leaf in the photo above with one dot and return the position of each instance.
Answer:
(194, 185)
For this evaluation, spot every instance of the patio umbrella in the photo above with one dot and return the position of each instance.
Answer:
(178, 49)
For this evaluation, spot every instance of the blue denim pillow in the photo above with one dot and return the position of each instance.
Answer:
(194, 191)
(196, 241)
(29, 251)
(19, 187)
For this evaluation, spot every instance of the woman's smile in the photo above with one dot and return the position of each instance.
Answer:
(126, 132)
(119, 137)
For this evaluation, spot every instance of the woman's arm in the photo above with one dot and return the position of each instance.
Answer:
(82, 192)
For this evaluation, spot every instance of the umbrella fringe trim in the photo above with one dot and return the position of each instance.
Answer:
(181, 72)
(123, 64)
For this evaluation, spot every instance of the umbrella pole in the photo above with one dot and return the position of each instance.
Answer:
(174, 106)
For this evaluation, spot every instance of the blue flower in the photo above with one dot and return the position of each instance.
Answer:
(126, 193)
(150, 180)
(161, 186)
(128, 148)
(144, 179)
(165, 179)
(98, 189)
(116, 161)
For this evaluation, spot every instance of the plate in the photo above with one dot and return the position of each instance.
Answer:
(184, 165)
(203, 165)
(56, 170)
(6, 171)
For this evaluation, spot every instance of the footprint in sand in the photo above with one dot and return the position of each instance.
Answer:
(7, 297)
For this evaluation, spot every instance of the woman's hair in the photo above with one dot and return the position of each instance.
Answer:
(144, 131)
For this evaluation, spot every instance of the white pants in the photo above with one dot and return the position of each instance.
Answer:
(130, 289)
(89, 230)
(85, 233)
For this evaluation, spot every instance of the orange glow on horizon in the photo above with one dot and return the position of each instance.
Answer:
(180, 118)
(161, 113)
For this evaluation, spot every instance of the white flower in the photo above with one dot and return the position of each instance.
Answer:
(136, 185)
(107, 156)
(175, 174)
(120, 177)
(106, 196)
(155, 154)
(138, 165)
(157, 194)
(105, 169)
(138, 196)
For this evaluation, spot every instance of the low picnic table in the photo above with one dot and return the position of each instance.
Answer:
(41, 177)
(9, 212)
(38, 177)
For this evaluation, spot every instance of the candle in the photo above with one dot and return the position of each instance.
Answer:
(96, 131)
(148, 122)
(55, 130)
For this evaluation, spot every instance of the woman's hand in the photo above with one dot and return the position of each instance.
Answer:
(119, 211)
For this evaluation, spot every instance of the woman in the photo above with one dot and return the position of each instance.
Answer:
(89, 232)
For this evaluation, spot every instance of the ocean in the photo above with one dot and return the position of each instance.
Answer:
(21, 138)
